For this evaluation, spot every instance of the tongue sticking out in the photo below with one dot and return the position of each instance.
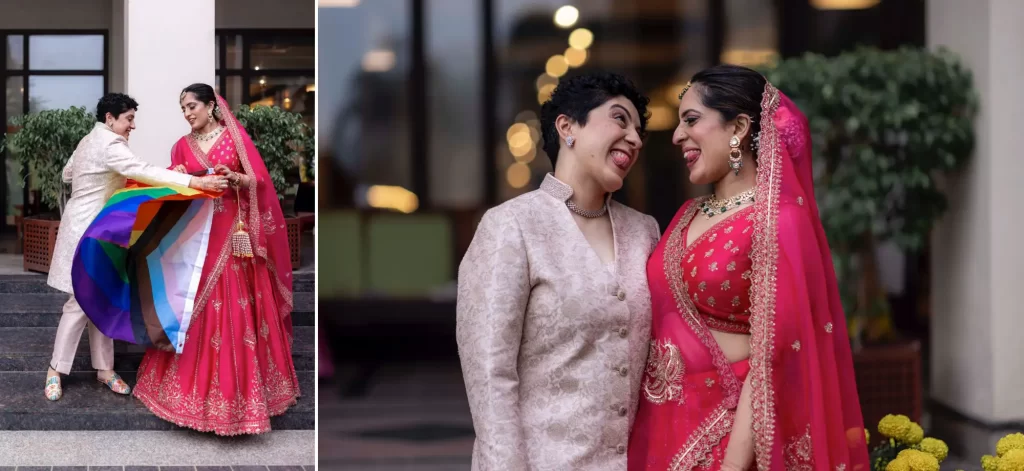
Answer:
(620, 160)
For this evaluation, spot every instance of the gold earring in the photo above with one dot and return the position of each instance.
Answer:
(735, 156)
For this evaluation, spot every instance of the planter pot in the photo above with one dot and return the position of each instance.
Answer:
(295, 240)
(889, 381)
(40, 238)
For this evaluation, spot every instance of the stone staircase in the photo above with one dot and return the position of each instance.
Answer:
(29, 313)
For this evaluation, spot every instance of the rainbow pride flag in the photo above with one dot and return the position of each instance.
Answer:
(137, 268)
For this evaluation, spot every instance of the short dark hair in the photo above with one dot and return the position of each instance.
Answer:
(576, 96)
(202, 91)
(116, 104)
(731, 90)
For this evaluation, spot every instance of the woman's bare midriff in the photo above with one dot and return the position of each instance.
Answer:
(736, 347)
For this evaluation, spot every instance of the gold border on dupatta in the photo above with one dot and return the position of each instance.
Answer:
(719, 422)
(697, 448)
(764, 257)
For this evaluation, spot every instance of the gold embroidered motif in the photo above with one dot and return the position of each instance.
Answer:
(725, 285)
(264, 329)
(713, 266)
(728, 245)
(731, 266)
(747, 229)
(841, 467)
(250, 338)
(711, 301)
(702, 285)
(218, 205)
(735, 301)
(216, 305)
(709, 253)
(709, 382)
(693, 272)
(798, 453)
(268, 223)
(688, 260)
(735, 250)
(728, 230)
(828, 327)
(665, 369)
(713, 237)
(800, 200)
(215, 340)
(696, 297)
(796, 346)
(746, 274)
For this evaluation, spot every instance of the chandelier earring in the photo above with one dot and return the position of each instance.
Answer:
(735, 156)
(569, 141)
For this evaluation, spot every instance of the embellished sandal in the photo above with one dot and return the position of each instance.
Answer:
(53, 391)
(116, 384)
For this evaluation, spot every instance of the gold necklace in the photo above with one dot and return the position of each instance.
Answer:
(208, 136)
(713, 206)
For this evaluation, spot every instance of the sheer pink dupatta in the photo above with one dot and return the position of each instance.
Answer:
(264, 219)
(806, 410)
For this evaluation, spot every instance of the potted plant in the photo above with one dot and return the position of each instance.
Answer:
(280, 137)
(884, 125)
(42, 143)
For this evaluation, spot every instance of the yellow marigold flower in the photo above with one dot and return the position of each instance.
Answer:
(867, 436)
(894, 426)
(1013, 441)
(919, 460)
(914, 435)
(989, 463)
(898, 464)
(1013, 460)
(935, 447)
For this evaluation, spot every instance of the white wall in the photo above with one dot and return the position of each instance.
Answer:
(161, 59)
(978, 261)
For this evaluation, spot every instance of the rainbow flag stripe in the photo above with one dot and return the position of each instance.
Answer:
(136, 271)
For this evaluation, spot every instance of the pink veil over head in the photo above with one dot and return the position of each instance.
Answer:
(806, 409)
(264, 219)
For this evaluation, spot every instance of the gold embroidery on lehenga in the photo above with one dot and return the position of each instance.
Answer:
(798, 453)
(731, 266)
(696, 452)
(828, 327)
(665, 369)
(725, 285)
(268, 223)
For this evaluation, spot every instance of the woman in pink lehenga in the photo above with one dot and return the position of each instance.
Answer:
(236, 370)
(749, 363)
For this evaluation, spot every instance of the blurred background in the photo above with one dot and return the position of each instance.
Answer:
(428, 117)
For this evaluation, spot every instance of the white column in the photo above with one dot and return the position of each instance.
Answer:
(167, 46)
(978, 261)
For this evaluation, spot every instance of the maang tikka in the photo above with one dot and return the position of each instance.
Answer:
(735, 156)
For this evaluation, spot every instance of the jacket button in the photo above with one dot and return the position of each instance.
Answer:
(621, 295)
(623, 332)
(623, 371)
(621, 449)
(623, 411)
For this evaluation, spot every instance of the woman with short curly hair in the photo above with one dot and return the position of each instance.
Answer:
(553, 314)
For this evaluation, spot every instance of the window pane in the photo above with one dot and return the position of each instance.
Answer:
(282, 52)
(15, 91)
(233, 55)
(65, 52)
(291, 93)
(15, 52)
(365, 123)
(50, 93)
(233, 94)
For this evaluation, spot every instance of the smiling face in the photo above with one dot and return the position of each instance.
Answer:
(607, 147)
(197, 113)
(703, 135)
(122, 125)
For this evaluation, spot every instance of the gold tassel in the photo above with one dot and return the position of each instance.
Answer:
(240, 244)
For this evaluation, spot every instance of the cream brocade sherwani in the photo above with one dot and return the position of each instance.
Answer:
(99, 166)
(552, 341)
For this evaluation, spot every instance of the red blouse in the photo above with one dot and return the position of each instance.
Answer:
(716, 272)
